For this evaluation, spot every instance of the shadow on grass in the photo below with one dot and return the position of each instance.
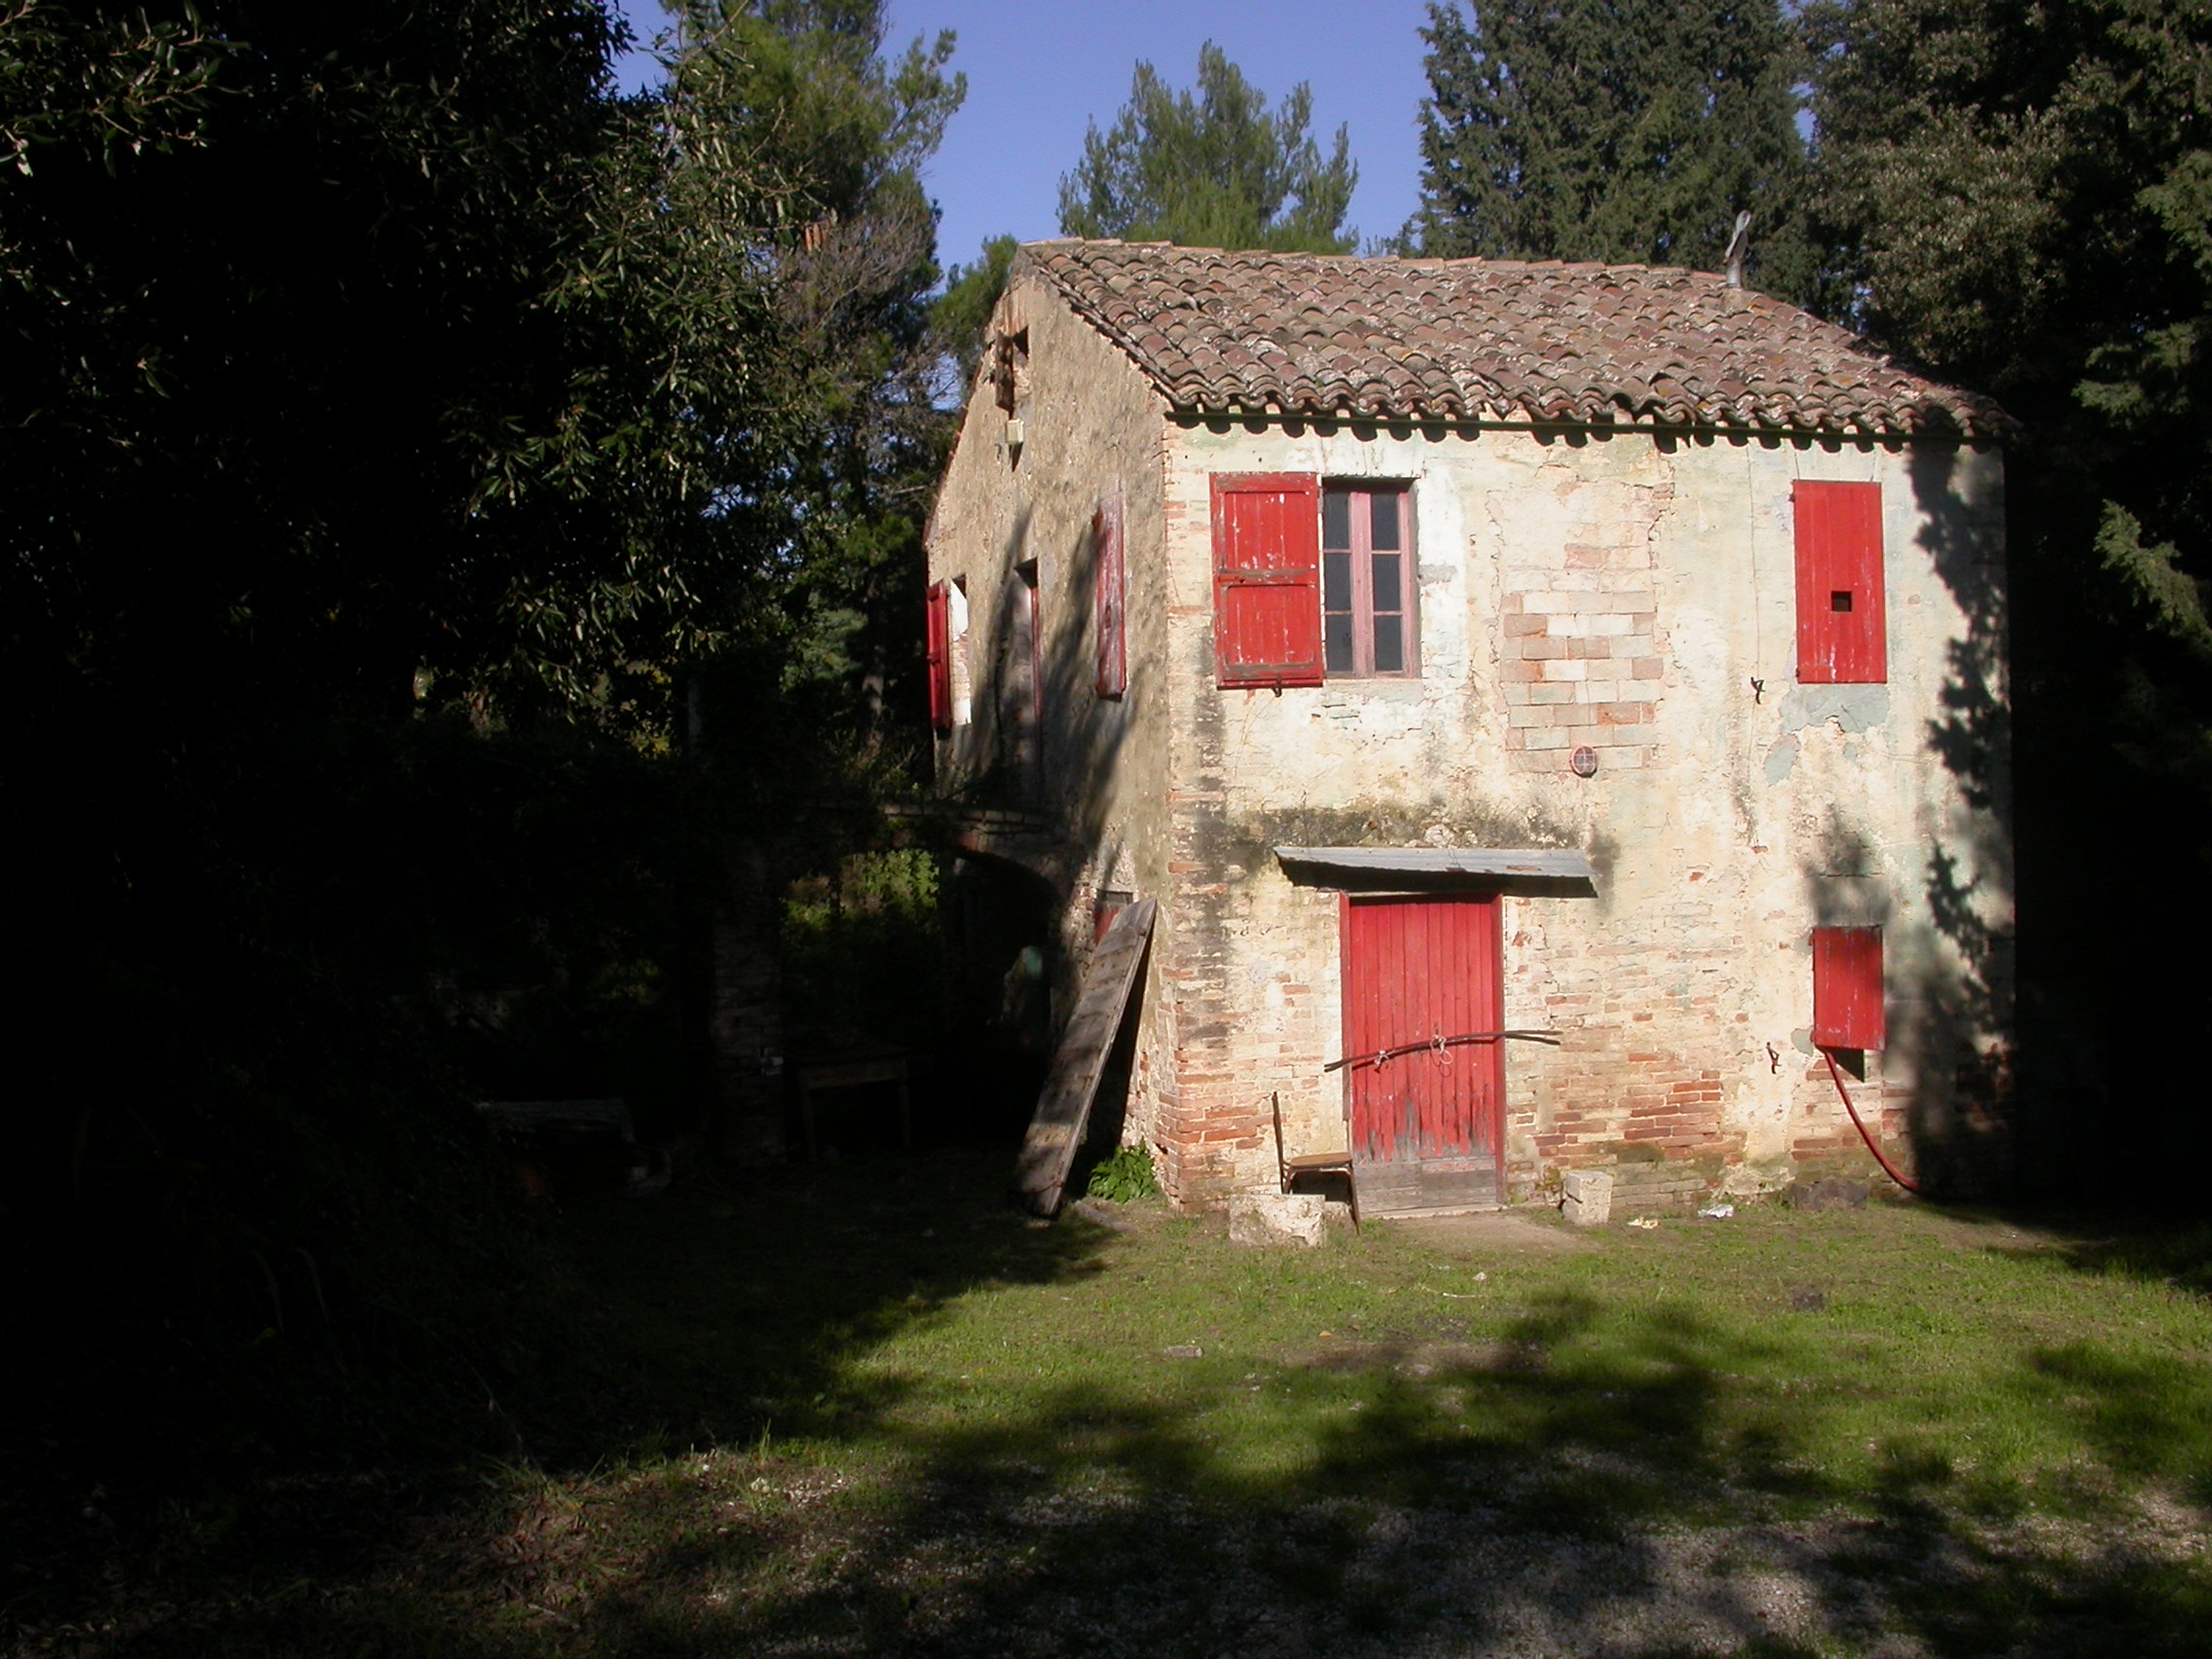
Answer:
(1577, 1477)
(2146, 1246)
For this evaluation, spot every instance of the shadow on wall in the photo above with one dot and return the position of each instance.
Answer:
(1051, 741)
(1048, 742)
(1950, 973)
(1960, 1014)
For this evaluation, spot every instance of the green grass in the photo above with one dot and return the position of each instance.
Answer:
(870, 1409)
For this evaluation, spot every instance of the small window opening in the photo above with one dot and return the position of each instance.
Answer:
(1842, 633)
(1367, 611)
(1025, 679)
(1847, 1013)
(1009, 371)
(963, 675)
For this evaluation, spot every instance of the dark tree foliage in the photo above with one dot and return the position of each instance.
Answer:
(1627, 130)
(407, 449)
(2020, 198)
(1212, 170)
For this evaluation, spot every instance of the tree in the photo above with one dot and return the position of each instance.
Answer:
(964, 310)
(395, 423)
(1212, 171)
(852, 273)
(2020, 198)
(1627, 130)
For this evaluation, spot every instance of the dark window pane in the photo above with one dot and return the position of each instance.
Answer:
(1336, 634)
(1336, 581)
(1336, 518)
(1386, 520)
(1840, 599)
(1387, 592)
(1389, 645)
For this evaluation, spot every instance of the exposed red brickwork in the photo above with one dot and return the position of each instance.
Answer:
(1578, 655)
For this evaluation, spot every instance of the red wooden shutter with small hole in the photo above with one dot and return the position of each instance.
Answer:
(1847, 989)
(1109, 599)
(940, 657)
(1266, 579)
(1842, 624)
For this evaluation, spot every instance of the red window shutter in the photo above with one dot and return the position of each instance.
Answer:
(1847, 989)
(1842, 622)
(940, 657)
(1110, 603)
(1266, 579)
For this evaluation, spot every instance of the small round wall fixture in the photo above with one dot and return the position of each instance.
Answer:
(1584, 761)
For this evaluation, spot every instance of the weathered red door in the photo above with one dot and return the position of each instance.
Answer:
(1430, 1121)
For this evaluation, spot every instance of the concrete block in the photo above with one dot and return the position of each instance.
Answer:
(1276, 1218)
(1587, 1196)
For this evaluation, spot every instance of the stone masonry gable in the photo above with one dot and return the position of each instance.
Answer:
(1317, 336)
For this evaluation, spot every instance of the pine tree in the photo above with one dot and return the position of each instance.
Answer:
(1627, 130)
(1212, 171)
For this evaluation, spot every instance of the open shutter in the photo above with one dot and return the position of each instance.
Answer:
(1109, 598)
(1847, 989)
(940, 657)
(1266, 579)
(1842, 622)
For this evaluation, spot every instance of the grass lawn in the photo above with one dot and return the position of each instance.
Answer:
(870, 1410)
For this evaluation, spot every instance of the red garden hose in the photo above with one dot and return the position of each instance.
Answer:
(1888, 1169)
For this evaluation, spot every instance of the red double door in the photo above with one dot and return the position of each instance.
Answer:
(1423, 971)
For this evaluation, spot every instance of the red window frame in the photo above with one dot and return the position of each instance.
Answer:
(1847, 989)
(939, 652)
(1109, 598)
(1368, 583)
(1266, 579)
(1842, 607)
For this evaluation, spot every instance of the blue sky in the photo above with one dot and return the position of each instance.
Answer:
(1038, 73)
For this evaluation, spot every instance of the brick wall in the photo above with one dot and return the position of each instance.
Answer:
(1578, 660)
(1637, 600)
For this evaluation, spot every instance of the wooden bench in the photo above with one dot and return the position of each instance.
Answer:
(852, 1071)
(1288, 1168)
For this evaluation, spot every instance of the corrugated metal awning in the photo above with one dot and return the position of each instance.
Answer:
(1529, 869)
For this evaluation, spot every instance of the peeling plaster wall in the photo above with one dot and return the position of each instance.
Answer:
(1635, 593)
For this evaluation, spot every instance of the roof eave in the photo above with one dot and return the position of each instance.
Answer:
(1895, 430)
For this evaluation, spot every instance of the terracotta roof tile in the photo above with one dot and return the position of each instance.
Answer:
(1476, 339)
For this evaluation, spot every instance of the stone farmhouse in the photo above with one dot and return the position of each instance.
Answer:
(1555, 708)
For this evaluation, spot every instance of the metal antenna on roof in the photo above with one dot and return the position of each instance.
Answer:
(1738, 245)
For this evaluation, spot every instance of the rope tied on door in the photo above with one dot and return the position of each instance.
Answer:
(1439, 1044)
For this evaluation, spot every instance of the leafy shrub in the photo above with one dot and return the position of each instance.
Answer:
(1126, 1175)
